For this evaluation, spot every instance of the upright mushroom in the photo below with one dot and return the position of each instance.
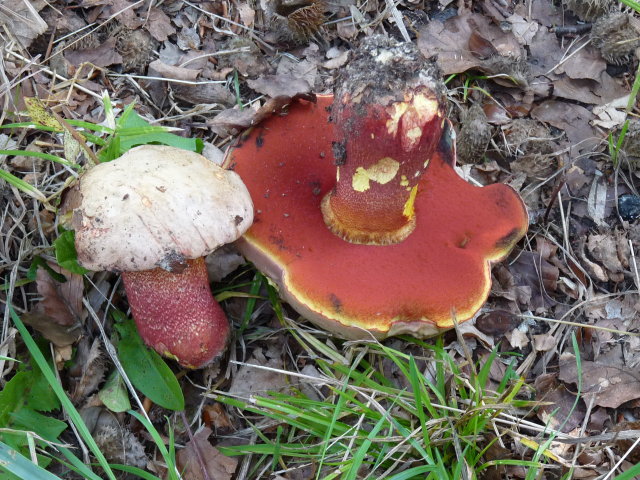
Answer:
(360, 216)
(153, 214)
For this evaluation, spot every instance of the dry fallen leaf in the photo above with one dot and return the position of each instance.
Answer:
(497, 322)
(23, 20)
(102, 56)
(276, 86)
(455, 41)
(173, 72)
(518, 339)
(611, 385)
(88, 370)
(234, 120)
(247, 14)
(611, 251)
(219, 467)
(337, 61)
(116, 442)
(159, 25)
(573, 119)
(538, 276)
(611, 115)
(58, 315)
(562, 411)
(544, 342)
(523, 29)
(253, 380)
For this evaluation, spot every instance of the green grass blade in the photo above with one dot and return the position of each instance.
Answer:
(361, 453)
(14, 462)
(77, 465)
(22, 185)
(630, 474)
(134, 471)
(413, 472)
(60, 393)
(35, 126)
(420, 403)
(94, 127)
(632, 3)
(43, 155)
(169, 460)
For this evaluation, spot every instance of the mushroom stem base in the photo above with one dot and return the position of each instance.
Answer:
(358, 235)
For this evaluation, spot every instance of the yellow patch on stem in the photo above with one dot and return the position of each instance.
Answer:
(409, 210)
(415, 111)
(383, 171)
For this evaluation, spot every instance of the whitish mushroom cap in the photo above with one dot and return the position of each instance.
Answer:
(154, 207)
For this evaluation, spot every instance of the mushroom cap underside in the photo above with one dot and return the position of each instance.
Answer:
(441, 272)
(156, 206)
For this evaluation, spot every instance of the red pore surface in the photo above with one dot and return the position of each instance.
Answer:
(441, 270)
(176, 313)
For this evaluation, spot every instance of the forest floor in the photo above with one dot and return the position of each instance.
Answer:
(542, 95)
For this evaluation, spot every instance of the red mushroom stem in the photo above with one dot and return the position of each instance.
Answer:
(383, 147)
(176, 313)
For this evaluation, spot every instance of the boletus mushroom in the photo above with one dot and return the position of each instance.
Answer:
(153, 214)
(360, 217)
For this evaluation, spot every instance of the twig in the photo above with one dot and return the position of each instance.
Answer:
(196, 448)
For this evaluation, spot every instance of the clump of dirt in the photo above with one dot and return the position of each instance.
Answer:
(357, 79)
(475, 135)
(589, 10)
(526, 136)
(136, 48)
(615, 37)
(296, 21)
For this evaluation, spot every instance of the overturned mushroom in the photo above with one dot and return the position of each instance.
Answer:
(360, 216)
(153, 214)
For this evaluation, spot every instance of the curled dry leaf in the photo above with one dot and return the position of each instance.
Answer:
(174, 72)
(611, 251)
(215, 416)
(58, 315)
(222, 262)
(219, 467)
(337, 62)
(497, 322)
(233, 120)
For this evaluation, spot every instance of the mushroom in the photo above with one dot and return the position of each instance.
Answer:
(360, 217)
(153, 214)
